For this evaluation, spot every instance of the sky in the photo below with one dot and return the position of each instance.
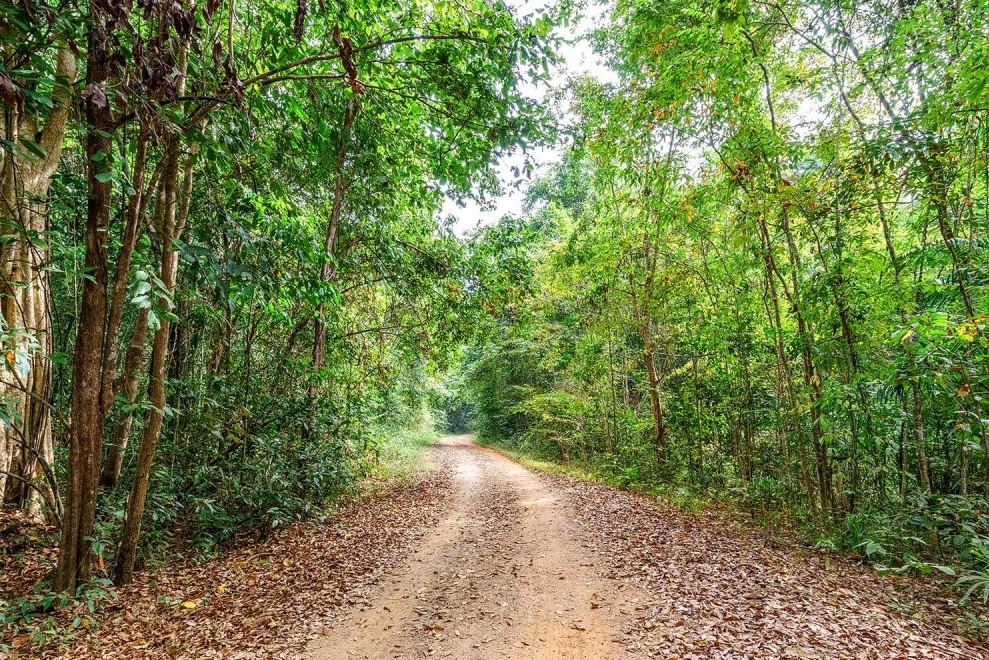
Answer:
(577, 58)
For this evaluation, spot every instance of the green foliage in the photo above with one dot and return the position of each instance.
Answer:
(398, 452)
(758, 275)
(255, 436)
(47, 618)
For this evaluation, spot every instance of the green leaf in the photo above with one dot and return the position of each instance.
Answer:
(34, 148)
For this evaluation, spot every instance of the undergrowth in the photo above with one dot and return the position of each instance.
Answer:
(44, 618)
(399, 455)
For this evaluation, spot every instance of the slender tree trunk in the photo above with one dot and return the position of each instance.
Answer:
(611, 416)
(812, 379)
(783, 365)
(174, 223)
(86, 435)
(643, 312)
(132, 230)
(655, 402)
(963, 461)
(902, 454)
(923, 465)
(126, 385)
(328, 269)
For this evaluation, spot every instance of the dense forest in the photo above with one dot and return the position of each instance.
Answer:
(758, 273)
(755, 276)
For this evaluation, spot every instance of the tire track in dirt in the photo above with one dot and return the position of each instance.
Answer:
(501, 576)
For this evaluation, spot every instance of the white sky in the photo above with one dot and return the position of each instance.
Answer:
(577, 59)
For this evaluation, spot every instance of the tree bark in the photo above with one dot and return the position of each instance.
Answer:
(174, 223)
(86, 434)
(127, 385)
(655, 401)
(25, 380)
(328, 269)
(128, 382)
(923, 463)
(121, 273)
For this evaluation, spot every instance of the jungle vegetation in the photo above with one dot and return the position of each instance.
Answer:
(225, 273)
(758, 273)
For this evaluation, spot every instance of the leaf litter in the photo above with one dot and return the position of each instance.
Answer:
(718, 589)
(264, 600)
(712, 588)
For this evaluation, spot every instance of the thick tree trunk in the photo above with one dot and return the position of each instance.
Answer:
(25, 379)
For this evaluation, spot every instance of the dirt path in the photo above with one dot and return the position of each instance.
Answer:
(535, 567)
(502, 576)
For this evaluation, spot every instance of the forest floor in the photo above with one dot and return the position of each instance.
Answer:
(482, 558)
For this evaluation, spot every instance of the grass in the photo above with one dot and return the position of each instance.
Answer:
(534, 462)
(679, 497)
(400, 454)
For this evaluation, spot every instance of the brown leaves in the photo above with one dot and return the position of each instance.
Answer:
(95, 95)
(346, 50)
(218, 54)
(300, 19)
(720, 590)
(28, 553)
(8, 94)
(210, 9)
(264, 599)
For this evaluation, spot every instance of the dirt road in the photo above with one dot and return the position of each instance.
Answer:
(503, 576)
(510, 572)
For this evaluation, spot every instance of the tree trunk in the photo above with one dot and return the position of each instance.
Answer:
(642, 308)
(86, 434)
(25, 379)
(132, 230)
(126, 385)
(174, 223)
(773, 310)
(923, 464)
(328, 269)
(655, 401)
